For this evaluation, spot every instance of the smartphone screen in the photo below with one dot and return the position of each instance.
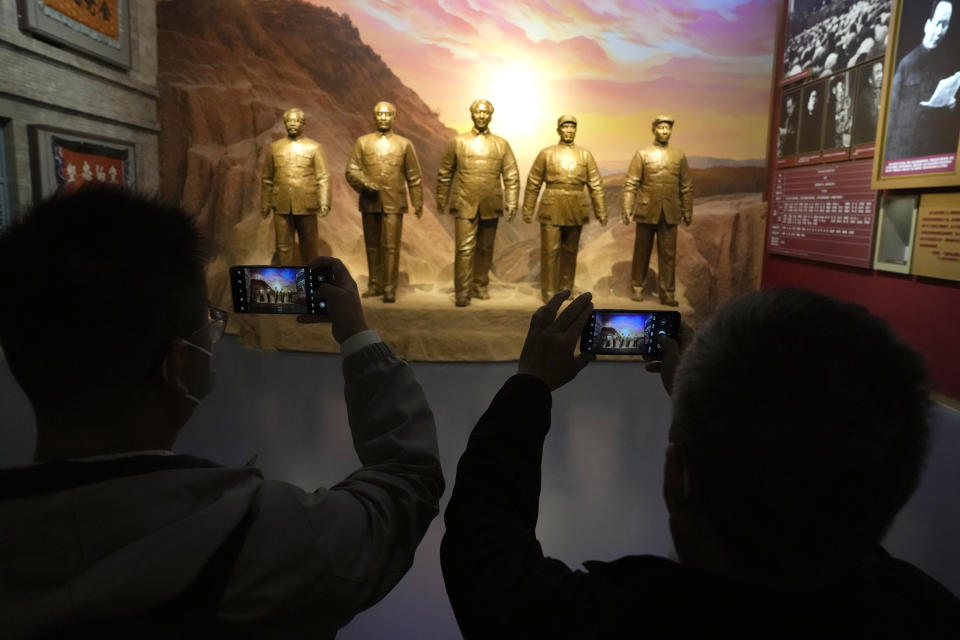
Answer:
(264, 289)
(629, 333)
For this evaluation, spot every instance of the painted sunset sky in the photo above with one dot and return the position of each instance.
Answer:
(615, 64)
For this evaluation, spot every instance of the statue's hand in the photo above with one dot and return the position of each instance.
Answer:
(324, 210)
(528, 216)
(372, 186)
(418, 212)
(266, 211)
(625, 219)
(603, 221)
(687, 220)
(511, 213)
(441, 205)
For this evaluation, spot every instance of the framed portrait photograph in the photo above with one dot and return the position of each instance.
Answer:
(896, 224)
(838, 121)
(812, 101)
(98, 28)
(789, 124)
(920, 136)
(869, 85)
(62, 161)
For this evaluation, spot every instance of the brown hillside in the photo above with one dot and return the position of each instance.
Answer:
(228, 69)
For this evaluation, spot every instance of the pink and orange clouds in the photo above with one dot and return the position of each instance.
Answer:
(615, 63)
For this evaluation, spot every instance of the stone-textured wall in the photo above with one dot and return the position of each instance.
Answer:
(45, 84)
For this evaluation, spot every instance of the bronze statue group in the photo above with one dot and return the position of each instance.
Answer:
(478, 181)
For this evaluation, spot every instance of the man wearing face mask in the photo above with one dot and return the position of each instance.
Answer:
(110, 533)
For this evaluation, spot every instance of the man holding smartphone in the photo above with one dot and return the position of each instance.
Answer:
(776, 506)
(109, 533)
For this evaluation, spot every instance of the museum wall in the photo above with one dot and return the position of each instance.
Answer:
(56, 86)
(924, 308)
(229, 68)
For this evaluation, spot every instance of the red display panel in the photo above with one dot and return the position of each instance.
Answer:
(825, 213)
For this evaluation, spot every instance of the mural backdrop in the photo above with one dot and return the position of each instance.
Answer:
(228, 69)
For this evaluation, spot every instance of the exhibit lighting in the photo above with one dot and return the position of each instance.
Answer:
(517, 92)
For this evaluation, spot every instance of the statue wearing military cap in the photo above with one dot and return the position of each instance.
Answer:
(382, 168)
(564, 170)
(471, 171)
(657, 195)
(295, 187)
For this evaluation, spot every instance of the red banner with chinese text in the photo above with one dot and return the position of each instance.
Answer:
(99, 15)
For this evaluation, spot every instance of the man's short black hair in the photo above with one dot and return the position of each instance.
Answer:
(804, 422)
(94, 287)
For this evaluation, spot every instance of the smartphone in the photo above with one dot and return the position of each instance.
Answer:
(265, 289)
(628, 332)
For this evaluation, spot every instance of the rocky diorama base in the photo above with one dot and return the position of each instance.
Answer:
(424, 325)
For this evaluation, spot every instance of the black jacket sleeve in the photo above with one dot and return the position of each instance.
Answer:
(498, 580)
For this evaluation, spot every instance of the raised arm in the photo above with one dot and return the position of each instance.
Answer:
(498, 580)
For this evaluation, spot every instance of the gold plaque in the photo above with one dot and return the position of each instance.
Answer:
(937, 246)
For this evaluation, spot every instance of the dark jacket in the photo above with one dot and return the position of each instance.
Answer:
(502, 586)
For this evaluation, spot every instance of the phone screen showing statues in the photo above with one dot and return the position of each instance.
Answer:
(263, 289)
(630, 333)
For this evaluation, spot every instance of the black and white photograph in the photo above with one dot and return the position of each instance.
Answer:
(811, 117)
(828, 36)
(867, 110)
(789, 124)
(923, 118)
(839, 120)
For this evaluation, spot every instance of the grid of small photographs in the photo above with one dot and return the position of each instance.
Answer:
(833, 72)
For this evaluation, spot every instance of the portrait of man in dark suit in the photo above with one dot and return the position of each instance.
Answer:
(789, 122)
(811, 118)
(869, 81)
(924, 119)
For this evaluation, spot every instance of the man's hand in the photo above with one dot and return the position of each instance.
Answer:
(418, 212)
(548, 350)
(511, 213)
(343, 301)
(267, 211)
(324, 210)
(668, 366)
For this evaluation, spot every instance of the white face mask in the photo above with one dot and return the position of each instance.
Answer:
(211, 374)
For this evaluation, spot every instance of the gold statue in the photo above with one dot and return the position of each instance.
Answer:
(381, 168)
(296, 186)
(662, 177)
(475, 162)
(565, 168)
